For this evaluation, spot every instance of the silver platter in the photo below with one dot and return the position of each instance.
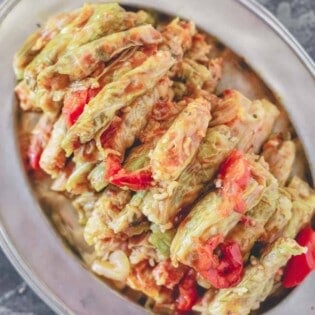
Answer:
(26, 234)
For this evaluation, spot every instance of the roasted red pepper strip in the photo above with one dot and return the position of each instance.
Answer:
(234, 174)
(113, 166)
(300, 266)
(222, 270)
(137, 180)
(75, 102)
(187, 293)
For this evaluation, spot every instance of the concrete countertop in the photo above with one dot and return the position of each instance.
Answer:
(16, 298)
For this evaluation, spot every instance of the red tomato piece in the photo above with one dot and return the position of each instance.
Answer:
(206, 256)
(113, 166)
(137, 180)
(73, 107)
(187, 293)
(235, 167)
(234, 173)
(92, 93)
(299, 267)
(223, 269)
(75, 102)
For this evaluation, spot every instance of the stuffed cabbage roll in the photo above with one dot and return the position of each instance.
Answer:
(84, 205)
(56, 47)
(161, 205)
(294, 210)
(251, 291)
(248, 232)
(214, 214)
(80, 62)
(130, 216)
(108, 18)
(279, 219)
(121, 134)
(111, 201)
(280, 155)
(177, 37)
(116, 95)
(38, 40)
(177, 147)
(260, 115)
(78, 182)
(303, 206)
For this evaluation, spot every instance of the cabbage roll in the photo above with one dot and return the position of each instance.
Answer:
(123, 134)
(251, 291)
(97, 177)
(38, 40)
(177, 37)
(177, 147)
(78, 182)
(129, 216)
(303, 206)
(93, 22)
(110, 202)
(161, 205)
(247, 233)
(192, 76)
(116, 95)
(209, 217)
(80, 62)
(200, 48)
(162, 116)
(260, 116)
(108, 18)
(193, 73)
(84, 205)
(161, 240)
(55, 48)
(120, 135)
(279, 218)
(280, 155)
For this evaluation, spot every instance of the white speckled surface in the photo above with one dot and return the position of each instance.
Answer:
(15, 297)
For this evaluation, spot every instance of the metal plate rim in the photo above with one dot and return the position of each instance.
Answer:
(7, 245)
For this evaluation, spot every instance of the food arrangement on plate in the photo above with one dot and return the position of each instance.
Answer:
(186, 189)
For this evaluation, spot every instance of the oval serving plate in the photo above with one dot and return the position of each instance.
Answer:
(27, 236)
